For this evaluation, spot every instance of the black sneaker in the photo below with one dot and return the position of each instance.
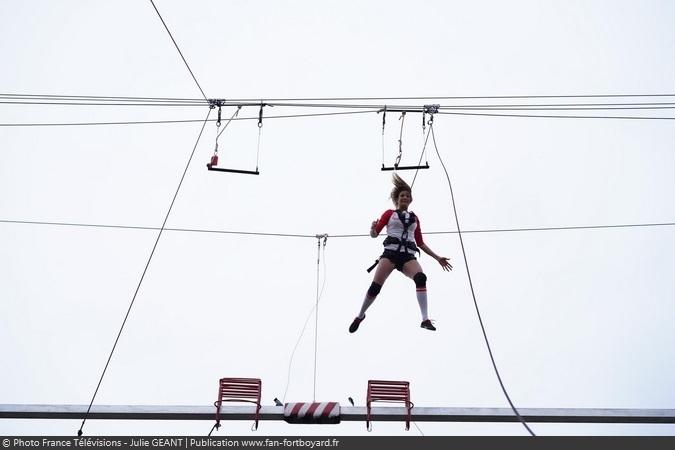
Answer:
(355, 324)
(427, 324)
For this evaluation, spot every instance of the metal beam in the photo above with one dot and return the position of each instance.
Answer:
(419, 414)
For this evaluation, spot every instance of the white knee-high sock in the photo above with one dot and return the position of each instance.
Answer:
(422, 300)
(366, 304)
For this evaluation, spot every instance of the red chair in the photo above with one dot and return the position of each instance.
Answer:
(239, 390)
(388, 391)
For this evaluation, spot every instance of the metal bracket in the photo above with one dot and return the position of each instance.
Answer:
(431, 109)
(216, 102)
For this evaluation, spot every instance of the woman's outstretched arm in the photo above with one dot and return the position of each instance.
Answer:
(442, 260)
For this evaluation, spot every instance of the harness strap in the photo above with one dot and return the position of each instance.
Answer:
(370, 269)
(404, 236)
(394, 240)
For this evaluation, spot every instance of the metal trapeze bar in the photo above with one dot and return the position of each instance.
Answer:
(419, 414)
(426, 166)
(247, 172)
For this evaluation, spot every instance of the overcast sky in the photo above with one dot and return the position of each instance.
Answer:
(576, 318)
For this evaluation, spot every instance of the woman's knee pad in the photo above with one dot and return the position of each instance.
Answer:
(374, 289)
(420, 280)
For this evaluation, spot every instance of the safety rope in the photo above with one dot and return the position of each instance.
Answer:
(304, 327)
(424, 147)
(473, 293)
(319, 237)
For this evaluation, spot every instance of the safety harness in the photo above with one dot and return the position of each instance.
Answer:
(403, 240)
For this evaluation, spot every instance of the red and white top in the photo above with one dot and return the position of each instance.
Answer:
(395, 229)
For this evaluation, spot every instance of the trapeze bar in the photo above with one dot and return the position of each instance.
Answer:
(419, 414)
(426, 166)
(247, 172)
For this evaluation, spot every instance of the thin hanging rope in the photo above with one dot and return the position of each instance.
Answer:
(236, 113)
(257, 154)
(431, 124)
(316, 306)
(138, 287)
(260, 125)
(473, 294)
(304, 327)
(400, 141)
(384, 121)
(316, 311)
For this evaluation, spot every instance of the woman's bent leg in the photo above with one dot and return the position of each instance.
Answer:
(384, 269)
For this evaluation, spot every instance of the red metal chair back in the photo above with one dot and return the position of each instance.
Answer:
(239, 390)
(388, 391)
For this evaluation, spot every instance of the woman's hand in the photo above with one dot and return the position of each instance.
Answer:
(373, 232)
(445, 263)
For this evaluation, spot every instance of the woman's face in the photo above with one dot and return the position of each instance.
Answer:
(404, 200)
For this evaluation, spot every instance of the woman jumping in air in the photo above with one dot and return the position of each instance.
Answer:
(404, 237)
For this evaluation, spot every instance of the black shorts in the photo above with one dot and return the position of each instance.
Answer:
(398, 258)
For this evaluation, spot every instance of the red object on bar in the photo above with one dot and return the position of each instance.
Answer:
(388, 391)
(214, 160)
(239, 390)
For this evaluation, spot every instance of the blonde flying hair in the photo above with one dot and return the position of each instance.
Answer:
(399, 186)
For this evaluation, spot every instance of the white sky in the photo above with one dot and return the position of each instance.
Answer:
(576, 318)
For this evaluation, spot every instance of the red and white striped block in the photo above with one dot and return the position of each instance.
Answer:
(320, 412)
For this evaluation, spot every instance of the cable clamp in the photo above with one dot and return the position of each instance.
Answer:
(216, 102)
(322, 236)
(431, 109)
